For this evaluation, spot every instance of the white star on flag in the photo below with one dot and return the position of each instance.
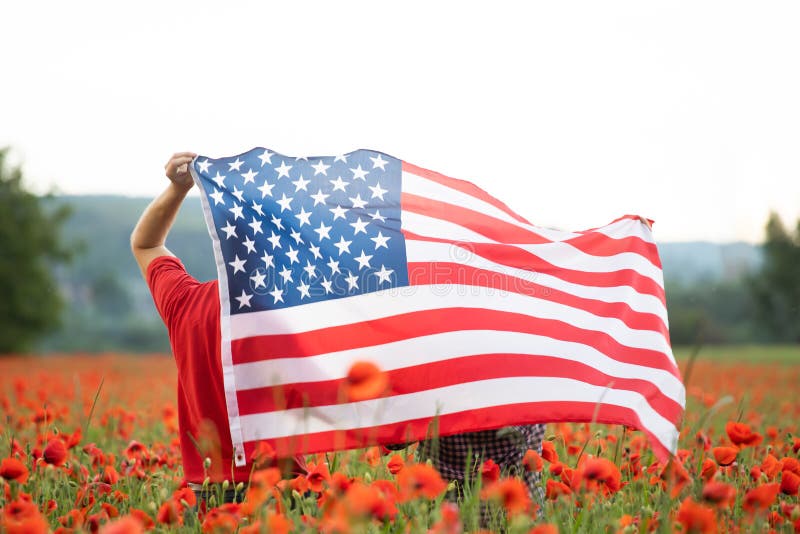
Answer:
(321, 168)
(237, 264)
(244, 299)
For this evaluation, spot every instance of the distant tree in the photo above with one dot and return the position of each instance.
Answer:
(776, 288)
(30, 246)
(109, 296)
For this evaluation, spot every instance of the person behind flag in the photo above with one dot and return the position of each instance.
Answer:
(460, 458)
(191, 312)
(506, 447)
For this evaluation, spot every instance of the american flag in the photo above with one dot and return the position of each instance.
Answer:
(480, 318)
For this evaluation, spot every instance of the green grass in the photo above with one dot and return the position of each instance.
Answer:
(783, 354)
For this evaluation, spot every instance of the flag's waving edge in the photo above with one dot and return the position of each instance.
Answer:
(479, 318)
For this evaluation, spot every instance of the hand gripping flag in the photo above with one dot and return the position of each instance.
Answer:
(478, 318)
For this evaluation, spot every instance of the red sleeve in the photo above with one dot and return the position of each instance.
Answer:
(172, 289)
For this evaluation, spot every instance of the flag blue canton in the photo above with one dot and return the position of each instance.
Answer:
(299, 230)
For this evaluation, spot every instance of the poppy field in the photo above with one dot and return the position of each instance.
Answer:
(90, 444)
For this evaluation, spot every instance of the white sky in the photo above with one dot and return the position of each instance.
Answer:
(573, 113)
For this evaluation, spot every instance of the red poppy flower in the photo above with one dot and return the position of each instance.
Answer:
(490, 471)
(770, 466)
(170, 513)
(21, 516)
(790, 483)
(696, 517)
(761, 497)
(725, 455)
(278, 523)
(218, 520)
(124, 525)
(186, 495)
(74, 438)
(361, 500)
(450, 523)
(555, 489)
(510, 492)
(317, 474)
(545, 528)
(741, 434)
(719, 493)
(396, 463)
(110, 475)
(255, 528)
(372, 456)
(556, 468)
(755, 473)
(388, 494)
(568, 476)
(602, 471)
(134, 450)
(675, 476)
(532, 461)
(264, 455)
(549, 452)
(110, 510)
(365, 381)
(790, 464)
(72, 519)
(419, 480)
(339, 483)
(299, 484)
(708, 470)
(262, 483)
(13, 469)
(55, 453)
(791, 511)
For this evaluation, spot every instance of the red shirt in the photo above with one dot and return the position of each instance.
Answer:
(190, 310)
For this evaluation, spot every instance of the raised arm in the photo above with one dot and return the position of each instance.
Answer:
(150, 233)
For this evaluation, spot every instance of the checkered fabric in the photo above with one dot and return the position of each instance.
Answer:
(505, 446)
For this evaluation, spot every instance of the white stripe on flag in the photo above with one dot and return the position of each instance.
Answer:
(562, 255)
(421, 186)
(432, 251)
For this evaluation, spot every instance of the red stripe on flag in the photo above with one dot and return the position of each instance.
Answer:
(462, 186)
(467, 421)
(599, 244)
(595, 244)
(426, 273)
(513, 256)
(451, 372)
(480, 223)
(428, 322)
